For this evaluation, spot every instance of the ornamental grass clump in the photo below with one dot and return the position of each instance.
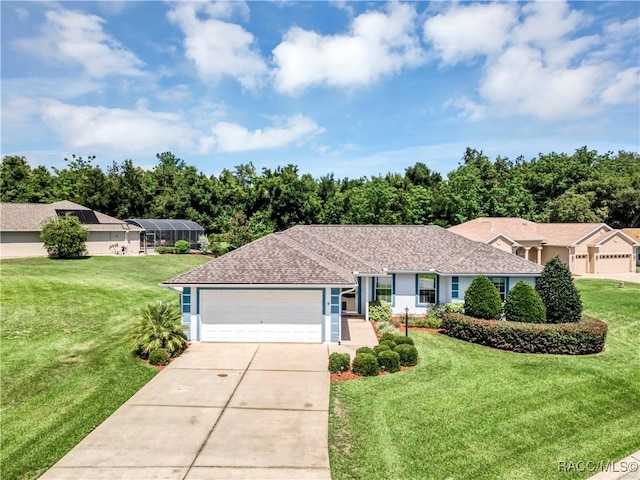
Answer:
(159, 325)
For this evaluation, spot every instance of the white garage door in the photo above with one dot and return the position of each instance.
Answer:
(261, 316)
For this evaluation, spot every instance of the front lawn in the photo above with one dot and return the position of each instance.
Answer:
(65, 361)
(471, 412)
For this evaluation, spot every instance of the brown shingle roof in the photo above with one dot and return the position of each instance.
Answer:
(329, 254)
(29, 217)
(518, 229)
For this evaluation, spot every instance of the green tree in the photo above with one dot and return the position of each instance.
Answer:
(482, 300)
(239, 232)
(523, 304)
(571, 207)
(64, 237)
(558, 293)
(159, 325)
(14, 177)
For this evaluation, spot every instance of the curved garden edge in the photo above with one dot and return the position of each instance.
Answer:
(585, 337)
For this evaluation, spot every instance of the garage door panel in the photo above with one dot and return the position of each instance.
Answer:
(261, 315)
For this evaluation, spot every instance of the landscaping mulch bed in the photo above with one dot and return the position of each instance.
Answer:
(341, 377)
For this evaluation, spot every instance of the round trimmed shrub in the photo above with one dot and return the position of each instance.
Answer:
(408, 355)
(182, 246)
(402, 340)
(159, 356)
(387, 336)
(339, 362)
(381, 348)
(366, 365)
(389, 361)
(558, 293)
(482, 300)
(368, 350)
(389, 343)
(523, 304)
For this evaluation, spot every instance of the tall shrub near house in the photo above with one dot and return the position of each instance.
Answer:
(558, 293)
(64, 237)
(482, 300)
(523, 304)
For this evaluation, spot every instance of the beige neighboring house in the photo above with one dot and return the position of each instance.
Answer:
(635, 234)
(585, 247)
(21, 224)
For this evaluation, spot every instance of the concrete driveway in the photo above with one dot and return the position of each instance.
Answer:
(220, 411)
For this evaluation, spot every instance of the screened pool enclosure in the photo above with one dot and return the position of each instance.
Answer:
(165, 233)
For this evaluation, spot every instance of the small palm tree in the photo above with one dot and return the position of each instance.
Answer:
(159, 325)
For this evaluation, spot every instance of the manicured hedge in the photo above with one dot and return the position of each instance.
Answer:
(581, 338)
(339, 362)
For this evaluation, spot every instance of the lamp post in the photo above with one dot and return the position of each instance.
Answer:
(406, 321)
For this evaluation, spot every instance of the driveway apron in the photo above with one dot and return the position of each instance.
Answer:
(220, 411)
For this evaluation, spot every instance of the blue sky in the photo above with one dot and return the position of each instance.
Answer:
(356, 88)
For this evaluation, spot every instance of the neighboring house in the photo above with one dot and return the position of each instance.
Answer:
(635, 234)
(165, 232)
(21, 224)
(294, 286)
(584, 247)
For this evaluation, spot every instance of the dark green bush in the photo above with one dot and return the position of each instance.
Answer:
(366, 365)
(368, 350)
(389, 361)
(408, 355)
(339, 362)
(381, 348)
(387, 336)
(64, 237)
(558, 293)
(575, 338)
(523, 304)
(164, 250)
(159, 356)
(482, 300)
(389, 343)
(182, 246)
(379, 311)
(402, 340)
(159, 325)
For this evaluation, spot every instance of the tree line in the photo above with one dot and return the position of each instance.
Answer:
(244, 204)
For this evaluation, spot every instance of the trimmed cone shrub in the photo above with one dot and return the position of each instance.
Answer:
(159, 356)
(381, 348)
(402, 340)
(482, 300)
(387, 336)
(339, 362)
(558, 293)
(366, 365)
(182, 246)
(365, 350)
(523, 304)
(389, 361)
(389, 343)
(408, 355)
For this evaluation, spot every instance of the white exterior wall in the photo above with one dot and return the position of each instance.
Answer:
(405, 295)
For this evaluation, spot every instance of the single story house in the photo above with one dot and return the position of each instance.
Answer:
(635, 234)
(295, 285)
(21, 224)
(584, 247)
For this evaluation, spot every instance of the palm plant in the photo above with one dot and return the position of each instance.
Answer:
(158, 326)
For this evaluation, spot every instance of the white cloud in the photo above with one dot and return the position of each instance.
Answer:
(78, 39)
(22, 13)
(117, 130)
(216, 47)
(231, 137)
(624, 88)
(464, 32)
(377, 44)
(547, 23)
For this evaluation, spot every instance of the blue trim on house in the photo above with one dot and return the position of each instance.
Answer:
(455, 287)
(335, 314)
(437, 289)
(393, 289)
(506, 287)
(359, 294)
(416, 291)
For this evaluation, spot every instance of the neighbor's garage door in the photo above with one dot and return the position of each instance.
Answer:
(261, 316)
(615, 263)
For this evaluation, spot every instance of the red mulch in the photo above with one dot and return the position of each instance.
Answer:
(341, 377)
(162, 367)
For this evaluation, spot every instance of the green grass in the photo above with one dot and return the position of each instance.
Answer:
(471, 412)
(65, 361)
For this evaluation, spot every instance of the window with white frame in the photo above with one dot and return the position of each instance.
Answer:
(384, 288)
(426, 288)
(501, 284)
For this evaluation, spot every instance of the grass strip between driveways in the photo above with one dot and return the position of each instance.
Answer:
(65, 362)
(471, 412)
